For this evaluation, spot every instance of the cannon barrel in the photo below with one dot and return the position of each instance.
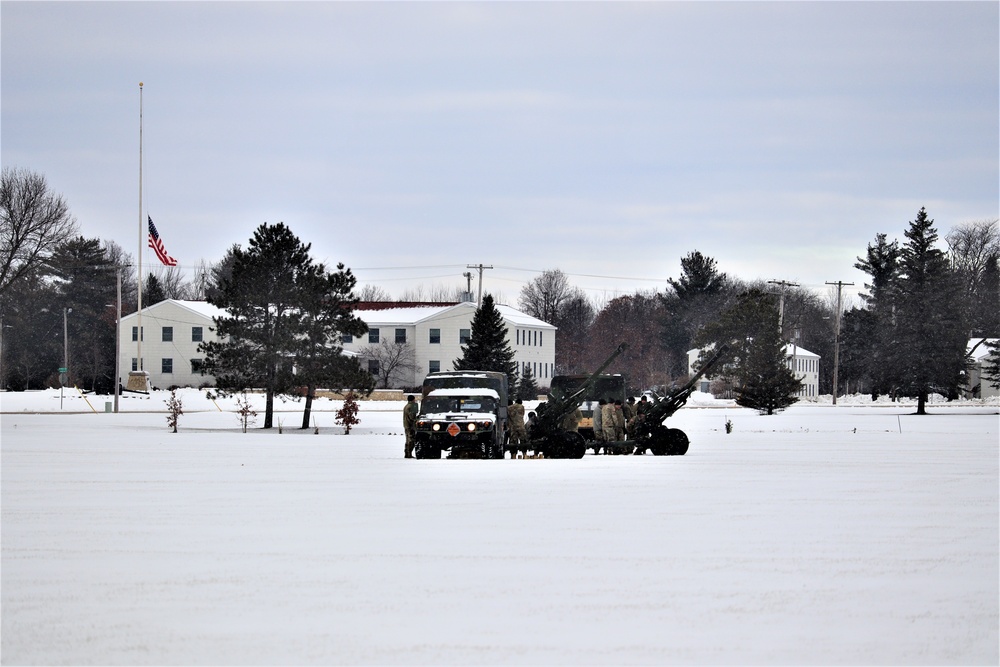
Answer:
(557, 408)
(662, 408)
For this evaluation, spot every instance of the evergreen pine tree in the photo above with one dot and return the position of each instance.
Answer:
(263, 298)
(932, 336)
(326, 308)
(756, 360)
(768, 384)
(991, 365)
(152, 291)
(527, 388)
(488, 348)
(870, 336)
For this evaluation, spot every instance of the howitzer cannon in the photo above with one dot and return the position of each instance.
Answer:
(648, 430)
(546, 435)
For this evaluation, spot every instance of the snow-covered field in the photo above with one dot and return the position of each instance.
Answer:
(854, 534)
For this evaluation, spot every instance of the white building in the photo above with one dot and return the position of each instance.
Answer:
(437, 333)
(975, 377)
(804, 364)
(172, 331)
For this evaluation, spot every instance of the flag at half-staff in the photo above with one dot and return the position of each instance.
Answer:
(157, 245)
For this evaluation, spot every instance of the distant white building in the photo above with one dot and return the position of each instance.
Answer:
(803, 363)
(975, 377)
(171, 333)
(173, 329)
(437, 333)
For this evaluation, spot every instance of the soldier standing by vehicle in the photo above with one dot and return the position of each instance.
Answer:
(518, 434)
(571, 422)
(619, 415)
(599, 422)
(410, 412)
(608, 422)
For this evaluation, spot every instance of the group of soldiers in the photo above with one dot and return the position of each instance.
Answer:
(614, 420)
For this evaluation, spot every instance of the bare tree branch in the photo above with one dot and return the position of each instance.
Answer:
(33, 222)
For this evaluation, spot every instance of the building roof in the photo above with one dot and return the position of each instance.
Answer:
(202, 308)
(416, 314)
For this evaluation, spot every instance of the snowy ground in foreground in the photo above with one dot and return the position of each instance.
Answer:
(824, 534)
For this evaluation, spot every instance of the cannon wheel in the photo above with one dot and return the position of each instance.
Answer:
(677, 442)
(566, 445)
(669, 442)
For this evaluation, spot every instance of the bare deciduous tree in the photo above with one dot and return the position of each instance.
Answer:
(33, 222)
(373, 293)
(394, 360)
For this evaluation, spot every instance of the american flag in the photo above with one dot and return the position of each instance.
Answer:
(157, 245)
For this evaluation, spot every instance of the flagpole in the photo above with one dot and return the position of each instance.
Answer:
(139, 365)
(138, 380)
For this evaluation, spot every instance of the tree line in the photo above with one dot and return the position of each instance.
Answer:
(919, 309)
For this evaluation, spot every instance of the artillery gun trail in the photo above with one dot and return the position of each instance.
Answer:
(546, 435)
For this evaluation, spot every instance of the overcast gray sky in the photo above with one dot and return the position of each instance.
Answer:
(604, 139)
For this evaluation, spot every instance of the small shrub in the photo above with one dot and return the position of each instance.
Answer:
(245, 411)
(729, 426)
(347, 415)
(174, 410)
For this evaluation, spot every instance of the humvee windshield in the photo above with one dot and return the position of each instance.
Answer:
(459, 404)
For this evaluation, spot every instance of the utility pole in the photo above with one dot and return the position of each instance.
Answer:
(836, 341)
(781, 299)
(479, 267)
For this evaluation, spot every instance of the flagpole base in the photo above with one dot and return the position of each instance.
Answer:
(138, 381)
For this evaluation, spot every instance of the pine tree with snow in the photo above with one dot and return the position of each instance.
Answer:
(488, 348)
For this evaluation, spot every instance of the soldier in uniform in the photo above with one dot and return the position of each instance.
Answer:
(619, 420)
(571, 422)
(608, 422)
(598, 427)
(515, 424)
(410, 412)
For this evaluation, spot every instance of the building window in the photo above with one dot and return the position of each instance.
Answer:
(167, 366)
(196, 365)
(346, 338)
(167, 335)
(433, 366)
(400, 336)
(135, 333)
(540, 334)
(435, 337)
(517, 335)
(463, 336)
(197, 334)
(373, 366)
(135, 364)
(373, 335)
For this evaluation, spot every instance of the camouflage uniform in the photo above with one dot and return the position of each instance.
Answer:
(598, 421)
(619, 421)
(515, 424)
(410, 413)
(608, 421)
(572, 421)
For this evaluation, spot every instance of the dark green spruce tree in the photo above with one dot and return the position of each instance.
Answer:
(697, 298)
(869, 335)
(257, 340)
(527, 388)
(488, 348)
(757, 359)
(931, 332)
